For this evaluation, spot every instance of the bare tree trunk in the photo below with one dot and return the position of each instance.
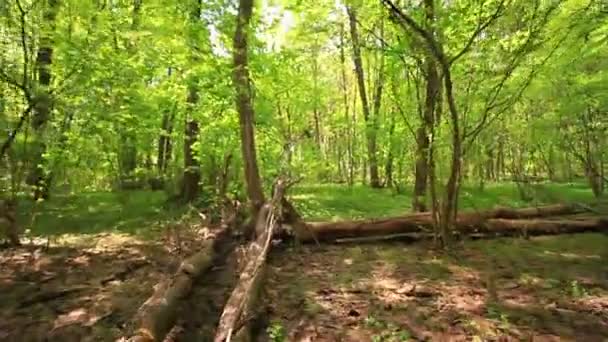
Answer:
(43, 103)
(245, 106)
(192, 174)
(390, 157)
(370, 130)
(428, 121)
(349, 124)
(164, 142)
(164, 139)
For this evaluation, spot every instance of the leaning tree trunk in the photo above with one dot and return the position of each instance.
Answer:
(245, 106)
(370, 130)
(40, 176)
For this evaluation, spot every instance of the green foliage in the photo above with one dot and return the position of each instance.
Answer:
(386, 331)
(276, 332)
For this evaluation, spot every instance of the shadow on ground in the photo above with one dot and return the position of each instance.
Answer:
(546, 289)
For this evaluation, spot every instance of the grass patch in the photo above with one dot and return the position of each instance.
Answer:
(339, 202)
(134, 212)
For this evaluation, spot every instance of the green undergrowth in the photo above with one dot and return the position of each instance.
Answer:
(134, 212)
(340, 201)
(140, 212)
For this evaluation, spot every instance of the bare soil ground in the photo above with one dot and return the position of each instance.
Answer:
(86, 290)
(544, 289)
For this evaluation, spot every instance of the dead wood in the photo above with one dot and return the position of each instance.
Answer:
(157, 315)
(467, 222)
(240, 309)
(542, 227)
(48, 296)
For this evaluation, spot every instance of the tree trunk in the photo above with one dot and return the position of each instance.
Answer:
(164, 139)
(349, 124)
(245, 106)
(370, 130)
(423, 223)
(427, 124)
(192, 173)
(390, 157)
(158, 314)
(164, 142)
(43, 102)
(240, 309)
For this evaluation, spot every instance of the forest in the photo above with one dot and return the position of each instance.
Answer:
(288, 170)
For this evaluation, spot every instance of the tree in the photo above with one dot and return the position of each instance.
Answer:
(369, 116)
(40, 176)
(245, 107)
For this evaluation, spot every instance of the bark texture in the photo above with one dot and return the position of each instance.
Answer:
(245, 107)
(40, 176)
(240, 309)
(370, 131)
(192, 174)
(469, 222)
(157, 315)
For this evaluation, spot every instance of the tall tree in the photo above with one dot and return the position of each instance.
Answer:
(370, 121)
(192, 172)
(43, 103)
(245, 106)
(424, 132)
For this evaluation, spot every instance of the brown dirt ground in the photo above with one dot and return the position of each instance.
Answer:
(83, 291)
(546, 289)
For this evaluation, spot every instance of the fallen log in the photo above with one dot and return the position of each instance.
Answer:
(157, 315)
(418, 223)
(541, 227)
(240, 309)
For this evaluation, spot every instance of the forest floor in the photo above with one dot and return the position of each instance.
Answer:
(545, 289)
(90, 260)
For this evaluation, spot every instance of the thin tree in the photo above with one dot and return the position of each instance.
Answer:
(370, 121)
(245, 106)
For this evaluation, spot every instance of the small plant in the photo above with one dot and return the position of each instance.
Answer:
(276, 332)
(373, 322)
(502, 318)
(389, 332)
(576, 290)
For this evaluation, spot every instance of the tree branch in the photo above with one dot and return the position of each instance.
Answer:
(480, 28)
(11, 137)
(407, 22)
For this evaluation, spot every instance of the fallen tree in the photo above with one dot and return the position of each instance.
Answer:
(500, 221)
(157, 315)
(541, 227)
(240, 310)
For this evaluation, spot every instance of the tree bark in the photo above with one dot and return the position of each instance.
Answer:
(240, 309)
(165, 145)
(245, 106)
(157, 315)
(388, 182)
(469, 222)
(427, 121)
(192, 174)
(349, 124)
(370, 130)
(43, 102)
